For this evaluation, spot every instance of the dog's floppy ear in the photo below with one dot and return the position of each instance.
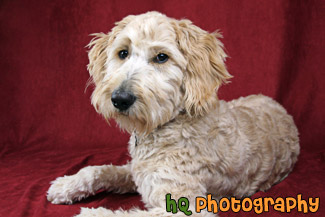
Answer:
(206, 69)
(99, 46)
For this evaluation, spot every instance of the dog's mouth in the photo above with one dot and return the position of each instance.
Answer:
(124, 113)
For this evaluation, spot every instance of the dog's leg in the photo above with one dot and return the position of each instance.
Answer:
(154, 212)
(65, 190)
(155, 198)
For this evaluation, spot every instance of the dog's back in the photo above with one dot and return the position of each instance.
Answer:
(260, 145)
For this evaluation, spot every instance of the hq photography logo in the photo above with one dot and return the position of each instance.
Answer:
(258, 205)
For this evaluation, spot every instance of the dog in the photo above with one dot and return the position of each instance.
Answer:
(158, 78)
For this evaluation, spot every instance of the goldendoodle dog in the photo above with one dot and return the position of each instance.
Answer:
(158, 78)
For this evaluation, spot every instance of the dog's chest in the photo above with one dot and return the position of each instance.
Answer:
(169, 154)
(161, 160)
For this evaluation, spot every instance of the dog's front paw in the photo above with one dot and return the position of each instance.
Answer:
(65, 190)
(98, 212)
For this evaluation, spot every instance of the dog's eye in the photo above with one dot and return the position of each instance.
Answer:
(123, 54)
(161, 58)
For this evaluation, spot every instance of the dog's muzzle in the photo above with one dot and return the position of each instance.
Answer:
(122, 100)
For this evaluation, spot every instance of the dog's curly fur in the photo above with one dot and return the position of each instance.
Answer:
(184, 141)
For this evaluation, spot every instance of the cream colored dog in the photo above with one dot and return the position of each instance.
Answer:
(158, 78)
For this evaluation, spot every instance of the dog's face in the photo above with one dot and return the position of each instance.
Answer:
(150, 68)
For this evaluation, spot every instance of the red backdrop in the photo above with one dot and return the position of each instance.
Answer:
(48, 127)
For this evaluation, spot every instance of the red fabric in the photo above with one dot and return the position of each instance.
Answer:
(48, 127)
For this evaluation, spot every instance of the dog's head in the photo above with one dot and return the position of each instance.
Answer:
(150, 68)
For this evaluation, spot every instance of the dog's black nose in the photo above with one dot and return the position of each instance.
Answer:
(122, 100)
